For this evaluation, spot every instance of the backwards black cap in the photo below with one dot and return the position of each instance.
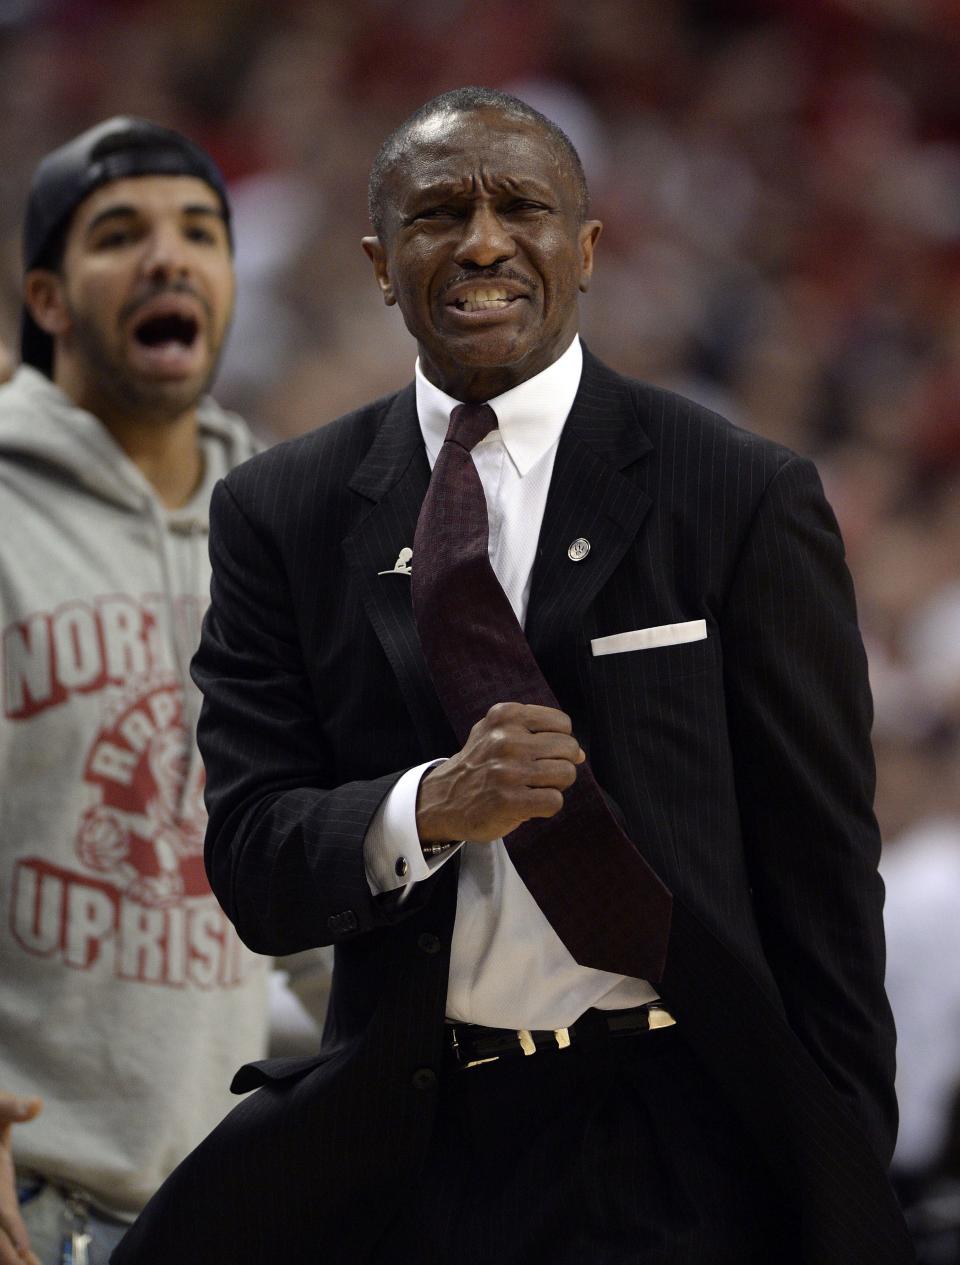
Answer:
(113, 150)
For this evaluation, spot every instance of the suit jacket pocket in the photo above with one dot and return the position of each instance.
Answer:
(650, 638)
(661, 665)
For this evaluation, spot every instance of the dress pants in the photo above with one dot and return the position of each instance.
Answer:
(621, 1152)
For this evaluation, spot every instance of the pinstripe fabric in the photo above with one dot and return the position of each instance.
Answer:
(740, 765)
(613, 1155)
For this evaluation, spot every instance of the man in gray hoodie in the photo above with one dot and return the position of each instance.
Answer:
(126, 999)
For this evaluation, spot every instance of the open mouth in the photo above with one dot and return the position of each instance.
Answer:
(172, 328)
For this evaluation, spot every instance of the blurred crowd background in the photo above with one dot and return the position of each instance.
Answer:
(780, 186)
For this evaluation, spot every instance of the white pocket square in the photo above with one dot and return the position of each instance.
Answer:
(648, 638)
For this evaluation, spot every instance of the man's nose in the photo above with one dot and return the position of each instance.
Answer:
(485, 240)
(166, 254)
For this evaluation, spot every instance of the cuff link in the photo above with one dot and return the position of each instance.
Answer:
(437, 849)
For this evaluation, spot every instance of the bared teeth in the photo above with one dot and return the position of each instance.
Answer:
(483, 300)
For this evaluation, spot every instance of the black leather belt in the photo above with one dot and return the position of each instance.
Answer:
(472, 1045)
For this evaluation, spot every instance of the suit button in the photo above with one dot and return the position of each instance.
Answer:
(347, 921)
(424, 1078)
(427, 942)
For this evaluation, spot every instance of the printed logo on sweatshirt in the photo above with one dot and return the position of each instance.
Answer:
(144, 826)
(83, 646)
(61, 914)
(138, 902)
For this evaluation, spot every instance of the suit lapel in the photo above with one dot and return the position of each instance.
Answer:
(590, 499)
(394, 476)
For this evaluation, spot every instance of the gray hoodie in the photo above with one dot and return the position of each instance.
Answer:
(126, 999)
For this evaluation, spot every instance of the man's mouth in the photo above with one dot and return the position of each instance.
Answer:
(171, 328)
(489, 299)
(166, 336)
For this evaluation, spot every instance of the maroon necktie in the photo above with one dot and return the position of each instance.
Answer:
(599, 895)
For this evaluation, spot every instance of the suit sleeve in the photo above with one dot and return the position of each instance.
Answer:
(284, 845)
(799, 714)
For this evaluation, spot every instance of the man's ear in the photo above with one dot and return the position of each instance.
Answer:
(45, 301)
(378, 257)
(590, 231)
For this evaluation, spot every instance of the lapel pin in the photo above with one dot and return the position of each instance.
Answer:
(402, 564)
(578, 549)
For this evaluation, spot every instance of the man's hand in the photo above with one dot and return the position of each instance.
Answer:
(516, 764)
(14, 1241)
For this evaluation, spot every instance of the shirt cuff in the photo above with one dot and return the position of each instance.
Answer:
(392, 856)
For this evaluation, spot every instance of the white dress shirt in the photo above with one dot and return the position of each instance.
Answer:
(508, 967)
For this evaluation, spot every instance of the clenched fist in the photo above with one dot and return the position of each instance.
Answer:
(516, 763)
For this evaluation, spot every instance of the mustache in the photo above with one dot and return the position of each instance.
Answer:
(497, 272)
(157, 289)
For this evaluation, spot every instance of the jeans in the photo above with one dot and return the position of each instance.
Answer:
(43, 1208)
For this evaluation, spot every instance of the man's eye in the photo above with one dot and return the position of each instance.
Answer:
(437, 213)
(522, 206)
(116, 237)
(200, 233)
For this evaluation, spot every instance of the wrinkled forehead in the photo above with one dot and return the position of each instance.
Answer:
(460, 147)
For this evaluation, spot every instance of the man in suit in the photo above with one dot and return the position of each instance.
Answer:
(480, 1094)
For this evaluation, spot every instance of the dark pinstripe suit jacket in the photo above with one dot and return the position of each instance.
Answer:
(741, 764)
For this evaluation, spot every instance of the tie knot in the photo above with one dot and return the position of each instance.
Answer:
(469, 423)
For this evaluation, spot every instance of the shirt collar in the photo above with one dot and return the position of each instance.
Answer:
(531, 415)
